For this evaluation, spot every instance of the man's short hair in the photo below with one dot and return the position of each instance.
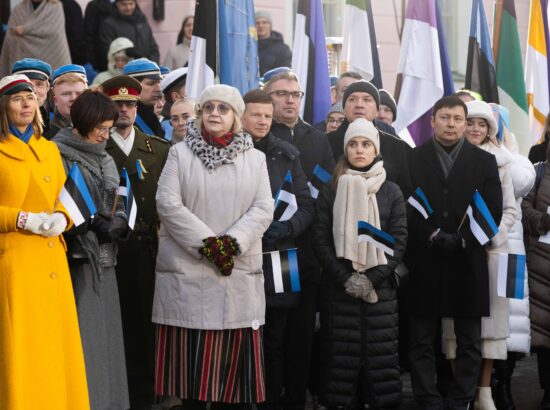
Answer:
(450, 101)
(288, 75)
(70, 78)
(350, 74)
(257, 96)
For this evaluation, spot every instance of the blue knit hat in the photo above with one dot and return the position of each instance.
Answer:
(33, 68)
(142, 67)
(275, 71)
(69, 68)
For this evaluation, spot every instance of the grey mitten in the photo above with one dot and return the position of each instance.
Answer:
(360, 287)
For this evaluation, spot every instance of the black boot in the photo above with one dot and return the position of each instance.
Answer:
(502, 389)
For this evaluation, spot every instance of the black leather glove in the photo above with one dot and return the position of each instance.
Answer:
(277, 231)
(448, 242)
(108, 230)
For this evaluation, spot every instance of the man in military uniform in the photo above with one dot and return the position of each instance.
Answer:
(143, 156)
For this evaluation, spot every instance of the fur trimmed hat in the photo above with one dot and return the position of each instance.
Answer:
(480, 109)
(225, 93)
(362, 128)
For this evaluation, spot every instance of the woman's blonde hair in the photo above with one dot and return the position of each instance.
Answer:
(5, 122)
(237, 125)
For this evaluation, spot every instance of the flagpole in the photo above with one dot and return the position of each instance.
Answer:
(463, 219)
(115, 202)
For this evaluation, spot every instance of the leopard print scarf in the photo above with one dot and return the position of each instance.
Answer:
(212, 157)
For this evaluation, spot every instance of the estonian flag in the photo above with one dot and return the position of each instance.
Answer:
(76, 198)
(285, 200)
(419, 201)
(380, 239)
(482, 223)
(480, 68)
(322, 177)
(511, 276)
(310, 62)
(203, 54)
(284, 268)
(125, 190)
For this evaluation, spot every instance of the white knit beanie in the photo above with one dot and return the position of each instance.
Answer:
(227, 94)
(480, 109)
(362, 128)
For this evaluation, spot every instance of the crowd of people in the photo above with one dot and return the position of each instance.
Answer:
(239, 256)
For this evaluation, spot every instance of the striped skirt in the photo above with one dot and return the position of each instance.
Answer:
(210, 365)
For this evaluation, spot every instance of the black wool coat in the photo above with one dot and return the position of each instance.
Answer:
(282, 157)
(394, 151)
(315, 150)
(273, 52)
(453, 284)
(356, 334)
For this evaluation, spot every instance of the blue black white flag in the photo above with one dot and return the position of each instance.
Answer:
(285, 200)
(76, 198)
(511, 276)
(322, 176)
(284, 276)
(380, 239)
(125, 190)
(482, 224)
(419, 201)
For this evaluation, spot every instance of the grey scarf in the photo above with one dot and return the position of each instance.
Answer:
(447, 159)
(101, 176)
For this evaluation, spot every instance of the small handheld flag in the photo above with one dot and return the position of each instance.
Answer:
(419, 201)
(125, 190)
(140, 170)
(482, 223)
(322, 176)
(285, 200)
(511, 276)
(380, 239)
(76, 198)
(284, 273)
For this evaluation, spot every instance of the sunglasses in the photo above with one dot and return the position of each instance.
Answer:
(209, 108)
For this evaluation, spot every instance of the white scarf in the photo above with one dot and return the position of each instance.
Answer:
(356, 201)
(127, 144)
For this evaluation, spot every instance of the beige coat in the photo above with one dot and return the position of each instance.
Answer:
(194, 203)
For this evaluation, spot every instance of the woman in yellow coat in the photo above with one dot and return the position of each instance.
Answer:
(41, 361)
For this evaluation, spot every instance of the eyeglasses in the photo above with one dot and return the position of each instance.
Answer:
(102, 130)
(335, 120)
(209, 108)
(286, 94)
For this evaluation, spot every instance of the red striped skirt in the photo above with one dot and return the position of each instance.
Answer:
(210, 365)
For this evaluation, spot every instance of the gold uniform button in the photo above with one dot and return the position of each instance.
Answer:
(51, 244)
(53, 275)
(47, 178)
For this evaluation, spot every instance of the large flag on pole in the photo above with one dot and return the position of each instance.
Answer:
(480, 68)
(310, 62)
(424, 74)
(204, 49)
(537, 75)
(508, 60)
(238, 45)
(359, 48)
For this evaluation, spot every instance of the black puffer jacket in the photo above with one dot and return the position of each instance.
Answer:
(355, 334)
(273, 52)
(315, 150)
(282, 157)
(135, 28)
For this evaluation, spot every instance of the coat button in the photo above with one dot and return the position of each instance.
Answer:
(445, 214)
(51, 244)
(47, 178)
(445, 191)
(53, 275)
(142, 199)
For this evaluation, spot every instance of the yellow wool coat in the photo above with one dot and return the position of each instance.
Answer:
(41, 360)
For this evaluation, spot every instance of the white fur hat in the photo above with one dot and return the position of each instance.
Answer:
(480, 109)
(227, 94)
(362, 128)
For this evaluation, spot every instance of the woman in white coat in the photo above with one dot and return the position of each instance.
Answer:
(214, 203)
(481, 131)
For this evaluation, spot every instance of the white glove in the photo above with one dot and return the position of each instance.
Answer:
(34, 222)
(55, 225)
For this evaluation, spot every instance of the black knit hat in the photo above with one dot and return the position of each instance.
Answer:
(362, 86)
(387, 99)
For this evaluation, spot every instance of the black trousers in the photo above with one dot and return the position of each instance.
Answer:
(543, 360)
(423, 332)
